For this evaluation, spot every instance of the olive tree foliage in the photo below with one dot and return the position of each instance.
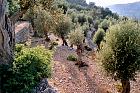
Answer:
(76, 37)
(19, 7)
(44, 16)
(90, 20)
(112, 21)
(98, 37)
(13, 6)
(120, 54)
(63, 26)
(63, 5)
(82, 19)
(85, 27)
(17, 12)
(105, 24)
(74, 17)
(42, 22)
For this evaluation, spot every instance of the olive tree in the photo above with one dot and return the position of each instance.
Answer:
(105, 24)
(43, 23)
(120, 54)
(43, 17)
(82, 19)
(63, 28)
(98, 37)
(76, 38)
(90, 20)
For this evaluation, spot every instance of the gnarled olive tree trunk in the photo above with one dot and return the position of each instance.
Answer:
(64, 41)
(6, 36)
(126, 86)
(79, 52)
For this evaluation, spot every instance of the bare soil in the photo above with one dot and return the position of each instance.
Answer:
(68, 78)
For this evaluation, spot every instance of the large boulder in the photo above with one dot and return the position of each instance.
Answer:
(23, 30)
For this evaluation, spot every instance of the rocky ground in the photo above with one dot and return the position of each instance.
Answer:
(68, 78)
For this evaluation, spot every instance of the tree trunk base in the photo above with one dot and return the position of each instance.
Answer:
(126, 86)
(81, 64)
(47, 39)
(64, 41)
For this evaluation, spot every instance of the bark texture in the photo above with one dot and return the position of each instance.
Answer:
(126, 86)
(64, 41)
(6, 35)
(79, 53)
(6, 38)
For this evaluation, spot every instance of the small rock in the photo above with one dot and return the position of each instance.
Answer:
(70, 78)
(44, 87)
(49, 90)
(61, 81)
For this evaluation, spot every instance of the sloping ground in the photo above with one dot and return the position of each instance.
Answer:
(68, 78)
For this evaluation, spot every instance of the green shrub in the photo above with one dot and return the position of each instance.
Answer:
(18, 49)
(71, 58)
(28, 69)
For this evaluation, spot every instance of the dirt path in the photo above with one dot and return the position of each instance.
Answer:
(68, 78)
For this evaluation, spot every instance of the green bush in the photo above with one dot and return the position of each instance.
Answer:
(18, 49)
(98, 37)
(27, 70)
(71, 58)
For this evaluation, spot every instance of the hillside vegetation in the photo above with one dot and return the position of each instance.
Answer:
(69, 45)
